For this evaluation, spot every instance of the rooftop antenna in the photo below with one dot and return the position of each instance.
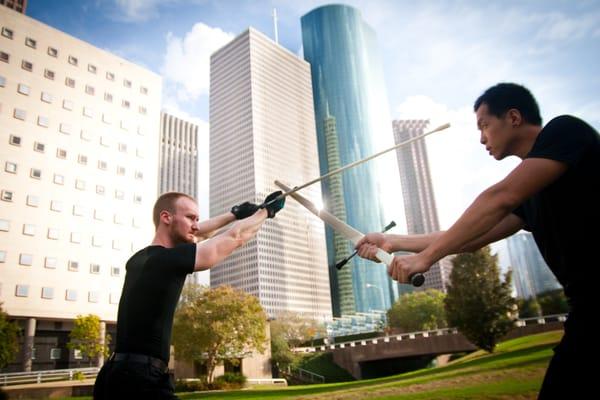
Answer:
(275, 25)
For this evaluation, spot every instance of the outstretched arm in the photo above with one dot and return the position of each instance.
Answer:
(208, 228)
(216, 249)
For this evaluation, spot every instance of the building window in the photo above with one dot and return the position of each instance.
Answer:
(119, 194)
(90, 90)
(88, 112)
(7, 195)
(106, 119)
(78, 211)
(120, 170)
(110, 76)
(139, 153)
(50, 262)
(118, 219)
(143, 110)
(100, 190)
(124, 126)
(98, 215)
(47, 293)
(30, 43)
(125, 104)
(2, 81)
(4, 225)
(26, 65)
(46, 97)
(43, 121)
(29, 229)
(68, 105)
(59, 179)
(104, 141)
(56, 205)
(77, 355)
(39, 147)
(92, 68)
(35, 173)
(73, 265)
(143, 90)
(86, 135)
(53, 234)
(82, 159)
(20, 114)
(26, 259)
(22, 291)
(61, 153)
(23, 89)
(137, 199)
(139, 175)
(33, 201)
(75, 237)
(2, 256)
(102, 165)
(56, 353)
(123, 147)
(93, 297)
(14, 140)
(108, 97)
(7, 33)
(94, 268)
(52, 52)
(73, 60)
(10, 167)
(126, 83)
(4, 57)
(65, 128)
(70, 82)
(49, 74)
(80, 184)
(115, 271)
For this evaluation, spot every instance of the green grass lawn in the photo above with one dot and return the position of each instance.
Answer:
(514, 371)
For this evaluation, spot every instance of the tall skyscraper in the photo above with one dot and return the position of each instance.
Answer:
(178, 155)
(417, 192)
(262, 128)
(17, 5)
(352, 116)
(78, 156)
(531, 274)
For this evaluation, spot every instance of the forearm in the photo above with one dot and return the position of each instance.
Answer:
(412, 243)
(487, 211)
(208, 228)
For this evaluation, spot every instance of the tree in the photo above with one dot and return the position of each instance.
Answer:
(553, 302)
(9, 334)
(291, 330)
(418, 311)
(478, 303)
(212, 325)
(529, 308)
(86, 337)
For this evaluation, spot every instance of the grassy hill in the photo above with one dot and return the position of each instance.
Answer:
(514, 371)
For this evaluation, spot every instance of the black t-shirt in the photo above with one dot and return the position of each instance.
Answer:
(153, 283)
(564, 217)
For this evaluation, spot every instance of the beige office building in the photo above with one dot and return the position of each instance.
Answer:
(78, 157)
(262, 128)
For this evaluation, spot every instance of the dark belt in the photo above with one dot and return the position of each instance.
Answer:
(140, 358)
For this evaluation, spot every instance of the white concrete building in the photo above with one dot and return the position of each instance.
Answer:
(262, 128)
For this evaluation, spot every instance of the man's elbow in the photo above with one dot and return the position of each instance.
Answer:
(502, 198)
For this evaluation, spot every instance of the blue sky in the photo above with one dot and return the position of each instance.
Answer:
(438, 57)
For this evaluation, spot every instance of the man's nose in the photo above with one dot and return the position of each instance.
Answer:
(482, 138)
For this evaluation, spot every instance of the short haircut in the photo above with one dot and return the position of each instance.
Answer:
(166, 202)
(505, 96)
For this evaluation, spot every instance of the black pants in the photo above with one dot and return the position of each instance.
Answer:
(569, 373)
(132, 380)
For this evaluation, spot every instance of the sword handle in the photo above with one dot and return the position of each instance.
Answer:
(415, 279)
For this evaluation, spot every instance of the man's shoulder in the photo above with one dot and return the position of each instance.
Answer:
(570, 123)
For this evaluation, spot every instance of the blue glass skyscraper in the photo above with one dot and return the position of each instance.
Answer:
(350, 109)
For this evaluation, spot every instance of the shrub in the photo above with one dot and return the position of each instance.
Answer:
(230, 381)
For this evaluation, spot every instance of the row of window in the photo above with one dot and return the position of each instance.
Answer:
(54, 234)
(81, 158)
(52, 263)
(56, 354)
(70, 294)
(53, 52)
(68, 105)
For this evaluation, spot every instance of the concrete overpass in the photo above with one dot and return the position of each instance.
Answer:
(353, 355)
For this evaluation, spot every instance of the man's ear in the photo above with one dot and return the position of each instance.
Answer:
(166, 217)
(514, 117)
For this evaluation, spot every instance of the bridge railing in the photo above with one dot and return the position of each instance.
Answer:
(20, 378)
(306, 375)
(420, 334)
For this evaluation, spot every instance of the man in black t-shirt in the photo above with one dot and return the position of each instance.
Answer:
(554, 193)
(153, 283)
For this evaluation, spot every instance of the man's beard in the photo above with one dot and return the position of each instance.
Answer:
(181, 239)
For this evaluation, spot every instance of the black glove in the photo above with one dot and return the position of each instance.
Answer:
(244, 210)
(274, 207)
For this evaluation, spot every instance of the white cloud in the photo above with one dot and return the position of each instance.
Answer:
(559, 27)
(137, 10)
(460, 167)
(186, 64)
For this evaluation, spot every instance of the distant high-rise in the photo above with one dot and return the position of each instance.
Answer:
(417, 192)
(17, 5)
(352, 116)
(262, 128)
(531, 274)
(78, 152)
(178, 159)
